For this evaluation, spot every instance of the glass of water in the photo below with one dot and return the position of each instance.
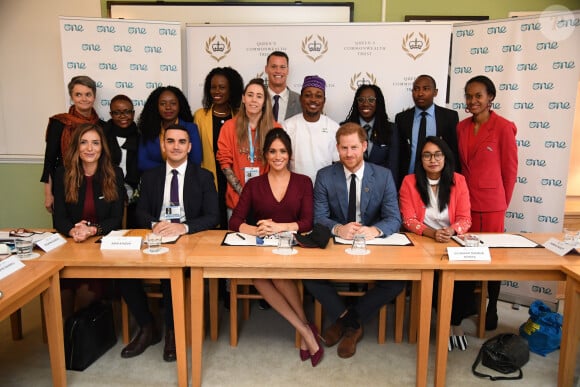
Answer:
(154, 242)
(23, 247)
(471, 240)
(285, 240)
(359, 245)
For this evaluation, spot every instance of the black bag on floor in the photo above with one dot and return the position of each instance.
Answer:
(88, 334)
(505, 353)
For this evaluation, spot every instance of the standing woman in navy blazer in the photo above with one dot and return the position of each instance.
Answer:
(489, 161)
(165, 106)
(89, 195)
(369, 111)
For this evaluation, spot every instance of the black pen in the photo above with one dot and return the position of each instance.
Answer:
(240, 235)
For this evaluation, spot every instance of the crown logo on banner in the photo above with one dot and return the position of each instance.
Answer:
(359, 79)
(415, 46)
(218, 49)
(314, 48)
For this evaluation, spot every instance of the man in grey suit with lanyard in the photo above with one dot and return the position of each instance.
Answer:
(433, 119)
(285, 102)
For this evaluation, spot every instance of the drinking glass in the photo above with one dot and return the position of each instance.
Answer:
(154, 242)
(359, 245)
(23, 247)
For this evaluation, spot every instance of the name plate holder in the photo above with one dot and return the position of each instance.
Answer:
(9, 266)
(121, 243)
(461, 254)
(51, 242)
(558, 247)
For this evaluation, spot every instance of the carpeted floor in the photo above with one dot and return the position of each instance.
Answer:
(266, 356)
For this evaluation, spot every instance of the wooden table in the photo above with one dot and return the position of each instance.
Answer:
(210, 260)
(571, 328)
(87, 260)
(506, 264)
(19, 288)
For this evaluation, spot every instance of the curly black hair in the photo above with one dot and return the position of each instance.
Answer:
(150, 120)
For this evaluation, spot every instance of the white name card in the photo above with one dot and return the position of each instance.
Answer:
(121, 243)
(469, 254)
(51, 242)
(9, 266)
(558, 247)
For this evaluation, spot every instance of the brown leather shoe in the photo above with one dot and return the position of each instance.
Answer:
(146, 336)
(347, 346)
(169, 353)
(333, 333)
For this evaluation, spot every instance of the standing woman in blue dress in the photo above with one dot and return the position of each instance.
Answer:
(165, 106)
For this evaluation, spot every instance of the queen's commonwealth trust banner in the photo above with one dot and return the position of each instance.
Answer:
(128, 57)
(534, 63)
(345, 55)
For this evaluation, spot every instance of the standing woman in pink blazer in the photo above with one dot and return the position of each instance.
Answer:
(489, 162)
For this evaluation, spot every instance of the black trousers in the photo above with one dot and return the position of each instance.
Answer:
(136, 299)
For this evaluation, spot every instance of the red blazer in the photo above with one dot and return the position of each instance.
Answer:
(490, 167)
(413, 208)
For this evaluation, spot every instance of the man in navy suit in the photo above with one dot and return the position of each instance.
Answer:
(351, 198)
(441, 122)
(193, 208)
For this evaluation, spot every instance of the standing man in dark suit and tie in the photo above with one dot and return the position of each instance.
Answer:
(354, 197)
(285, 102)
(183, 198)
(423, 120)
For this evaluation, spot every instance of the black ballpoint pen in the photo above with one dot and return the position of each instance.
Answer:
(240, 235)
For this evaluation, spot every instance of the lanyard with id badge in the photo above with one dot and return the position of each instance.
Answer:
(251, 172)
(172, 213)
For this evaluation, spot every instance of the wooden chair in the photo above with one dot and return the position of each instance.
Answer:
(399, 312)
(480, 290)
(245, 295)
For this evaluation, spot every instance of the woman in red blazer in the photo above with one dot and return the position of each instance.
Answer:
(434, 202)
(489, 162)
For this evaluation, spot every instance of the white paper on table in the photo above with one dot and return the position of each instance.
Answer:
(396, 239)
(117, 233)
(9, 266)
(480, 254)
(499, 240)
(121, 243)
(558, 247)
(242, 239)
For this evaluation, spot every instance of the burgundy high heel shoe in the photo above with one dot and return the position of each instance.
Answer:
(304, 354)
(317, 357)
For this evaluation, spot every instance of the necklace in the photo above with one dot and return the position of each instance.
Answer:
(219, 114)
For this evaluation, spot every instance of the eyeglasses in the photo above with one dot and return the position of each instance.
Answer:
(427, 156)
(371, 100)
(119, 113)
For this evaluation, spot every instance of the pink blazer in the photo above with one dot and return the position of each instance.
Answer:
(491, 167)
(413, 208)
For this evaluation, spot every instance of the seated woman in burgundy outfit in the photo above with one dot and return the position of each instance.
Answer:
(434, 202)
(89, 195)
(280, 200)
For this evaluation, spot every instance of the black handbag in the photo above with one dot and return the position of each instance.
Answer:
(505, 353)
(88, 334)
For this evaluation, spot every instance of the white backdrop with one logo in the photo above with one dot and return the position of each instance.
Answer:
(128, 57)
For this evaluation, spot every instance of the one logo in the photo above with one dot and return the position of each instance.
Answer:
(493, 68)
(543, 86)
(124, 85)
(497, 30)
(555, 144)
(511, 48)
(479, 50)
(539, 125)
(76, 65)
(531, 27)
(514, 215)
(527, 67)
(523, 105)
(74, 27)
(107, 66)
(314, 48)
(122, 48)
(359, 79)
(153, 49)
(533, 199)
(548, 219)
(415, 46)
(536, 163)
(552, 182)
(509, 86)
(137, 31)
(546, 46)
(510, 284)
(522, 180)
(218, 48)
(153, 85)
(462, 70)
(459, 106)
(563, 65)
(106, 28)
(91, 47)
(523, 143)
(138, 67)
(168, 31)
(559, 105)
(464, 33)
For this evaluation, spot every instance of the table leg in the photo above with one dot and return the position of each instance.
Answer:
(425, 294)
(570, 333)
(446, 284)
(53, 317)
(213, 308)
(177, 295)
(196, 325)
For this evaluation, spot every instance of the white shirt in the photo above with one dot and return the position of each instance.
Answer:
(313, 144)
(282, 102)
(167, 189)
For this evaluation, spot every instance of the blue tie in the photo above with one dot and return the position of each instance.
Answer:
(174, 192)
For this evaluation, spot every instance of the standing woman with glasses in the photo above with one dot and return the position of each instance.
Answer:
(61, 127)
(434, 202)
(489, 161)
(123, 141)
(240, 141)
(165, 106)
(369, 111)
